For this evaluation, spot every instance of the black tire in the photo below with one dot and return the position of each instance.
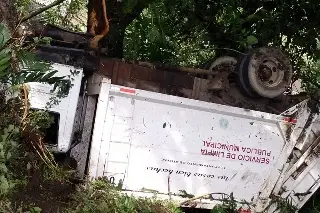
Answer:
(268, 71)
(242, 80)
(210, 62)
(221, 59)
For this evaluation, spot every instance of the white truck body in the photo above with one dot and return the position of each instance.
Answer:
(156, 143)
(39, 96)
(159, 143)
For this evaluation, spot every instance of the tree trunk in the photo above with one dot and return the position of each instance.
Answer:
(8, 14)
(119, 20)
(96, 22)
(113, 43)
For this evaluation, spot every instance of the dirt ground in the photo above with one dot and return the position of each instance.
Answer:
(50, 196)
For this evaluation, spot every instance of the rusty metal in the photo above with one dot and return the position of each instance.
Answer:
(61, 34)
(72, 49)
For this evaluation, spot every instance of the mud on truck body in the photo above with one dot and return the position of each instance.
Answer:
(227, 128)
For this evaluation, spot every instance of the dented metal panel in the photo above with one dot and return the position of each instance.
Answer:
(152, 142)
(166, 143)
(299, 178)
(40, 94)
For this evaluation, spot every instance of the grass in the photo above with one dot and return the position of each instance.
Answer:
(53, 192)
(102, 197)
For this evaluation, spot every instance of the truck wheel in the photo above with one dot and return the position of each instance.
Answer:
(269, 72)
(242, 80)
(222, 61)
(221, 64)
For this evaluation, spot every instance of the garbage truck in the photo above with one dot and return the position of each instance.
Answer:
(152, 142)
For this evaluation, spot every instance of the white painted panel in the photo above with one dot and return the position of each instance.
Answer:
(123, 120)
(98, 152)
(124, 138)
(123, 106)
(121, 129)
(169, 144)
(118, 152)
(315, 171)
(40, 94)
(116, 168)
(243, 150)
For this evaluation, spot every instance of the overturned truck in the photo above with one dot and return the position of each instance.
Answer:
(230, 130)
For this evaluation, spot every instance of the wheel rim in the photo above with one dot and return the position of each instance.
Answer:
(269, 72)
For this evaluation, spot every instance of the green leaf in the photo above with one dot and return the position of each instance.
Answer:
(5, 52)
(22, 77)
(37, 209)
(10, 128)
(4, 185)
(49, 75)
(154, 34)
(13, 143)
(55, 79)
(31, 77)
(36, 39)
(2, 178)
(2, 154)
(45, 40)
(252, 17)
(2, 70)
(28, 166)
(3, 168)
(4, 35)
(5, 60)
(251, 40)
(9, 155)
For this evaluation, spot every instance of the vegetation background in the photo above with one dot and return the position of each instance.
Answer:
(177, 32)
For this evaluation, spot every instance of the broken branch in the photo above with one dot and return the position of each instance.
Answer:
(41, 10)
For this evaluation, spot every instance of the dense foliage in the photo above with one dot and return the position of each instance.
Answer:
(190, 32)
(182, 32)
(69, 14)
(156, 36)
(21, 144)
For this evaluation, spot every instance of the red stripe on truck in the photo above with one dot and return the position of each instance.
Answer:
(126, 90)
(286, 119)
(244, 210)
(290, 120)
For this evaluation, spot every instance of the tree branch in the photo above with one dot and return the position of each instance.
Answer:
(94, 43)
(41, 10)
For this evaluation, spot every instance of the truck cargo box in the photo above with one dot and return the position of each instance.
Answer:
(149, 142)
